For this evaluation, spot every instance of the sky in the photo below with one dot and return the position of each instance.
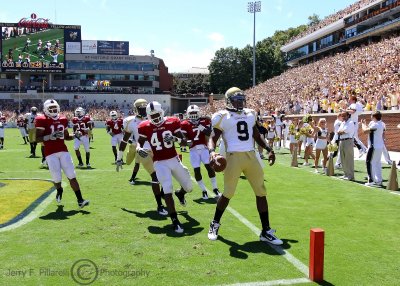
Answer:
(184, 33)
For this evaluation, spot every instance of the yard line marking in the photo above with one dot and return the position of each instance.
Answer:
(288, 256)
(273, 282)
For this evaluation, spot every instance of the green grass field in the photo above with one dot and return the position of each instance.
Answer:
(18, 43)
(132, 245)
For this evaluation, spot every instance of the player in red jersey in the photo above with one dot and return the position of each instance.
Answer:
(81, 125)
(195, 129)
(114, 127)
(22, 128)
(52, 130)
(161, 132)
(3, 123)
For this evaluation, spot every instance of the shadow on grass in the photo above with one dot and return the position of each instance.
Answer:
(153, 214)
(241, 251)
(60, 214)
(142, 183)
(325, 283)
(191, 227)
(201, 201)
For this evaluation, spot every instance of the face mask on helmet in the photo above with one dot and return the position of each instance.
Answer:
(237, 101)
(113, 115)
(155, 113)
(33, 110)
(51, 108)
(140, 107)
(193, 112)
(79, 112)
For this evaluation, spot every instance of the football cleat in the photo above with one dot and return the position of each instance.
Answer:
(181, 197)
(178, 227)
(162, 211)
(213, 231)
(83, 203)
(88, 166)
(80, 166)
(58, 198)
(205, 195)
(217, 193)
(270, 237)
(132, 182)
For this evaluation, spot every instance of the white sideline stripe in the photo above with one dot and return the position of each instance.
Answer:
(33, 214)
(288, 256)
(273, 282)
(284, 253)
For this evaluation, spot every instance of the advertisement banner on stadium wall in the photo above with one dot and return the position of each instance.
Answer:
(72, 47)
(112, 47)
(89, 47)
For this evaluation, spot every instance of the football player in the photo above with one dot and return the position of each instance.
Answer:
(22, 128)
(131, 124)
(52, 130)
(30, 125)
(195, 130)
(161, 132)
(114, 127)
(237, 125)
(81, 124)
(3, 123)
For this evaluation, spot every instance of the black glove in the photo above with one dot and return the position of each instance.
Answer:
(169, 138)
(142, 152)
(271, 158)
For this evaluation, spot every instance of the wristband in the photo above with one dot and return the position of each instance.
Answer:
(120, 155)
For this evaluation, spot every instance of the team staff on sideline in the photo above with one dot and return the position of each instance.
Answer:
(376, 144)
(3, 123)
(131, 124)
(237, 126)
(346, 132)
(161, 132)
(52, 130)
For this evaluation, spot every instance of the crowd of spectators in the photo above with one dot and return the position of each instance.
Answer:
(333, 18)
(371, 72)
(99, 112)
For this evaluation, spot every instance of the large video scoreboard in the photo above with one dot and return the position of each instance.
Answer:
(36, 45)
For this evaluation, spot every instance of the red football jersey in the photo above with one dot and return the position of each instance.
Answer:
(193, 132)
(155, 135)
(81, 124)
(115, 125)
(21, 122)
(51, 125)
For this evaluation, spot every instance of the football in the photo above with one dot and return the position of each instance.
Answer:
(219, 163)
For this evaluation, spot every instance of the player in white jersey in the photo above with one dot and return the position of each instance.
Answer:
(30, 126)
(237, 126)
(130, 127)
(355, 109)
(376, 144)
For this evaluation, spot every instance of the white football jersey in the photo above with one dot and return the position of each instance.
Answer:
(375, 137)
(30, 120)
(237, 129)
(130, 125)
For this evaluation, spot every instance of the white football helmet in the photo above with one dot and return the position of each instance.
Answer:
(33, 109)
(193, 112)
(51, 108)
(155, 113)
(113, 115)
(139, 107)
(235, 99)
(79, 112)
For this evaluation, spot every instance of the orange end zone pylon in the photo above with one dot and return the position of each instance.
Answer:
(316, 267)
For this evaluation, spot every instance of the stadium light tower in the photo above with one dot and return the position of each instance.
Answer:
(254, 7)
